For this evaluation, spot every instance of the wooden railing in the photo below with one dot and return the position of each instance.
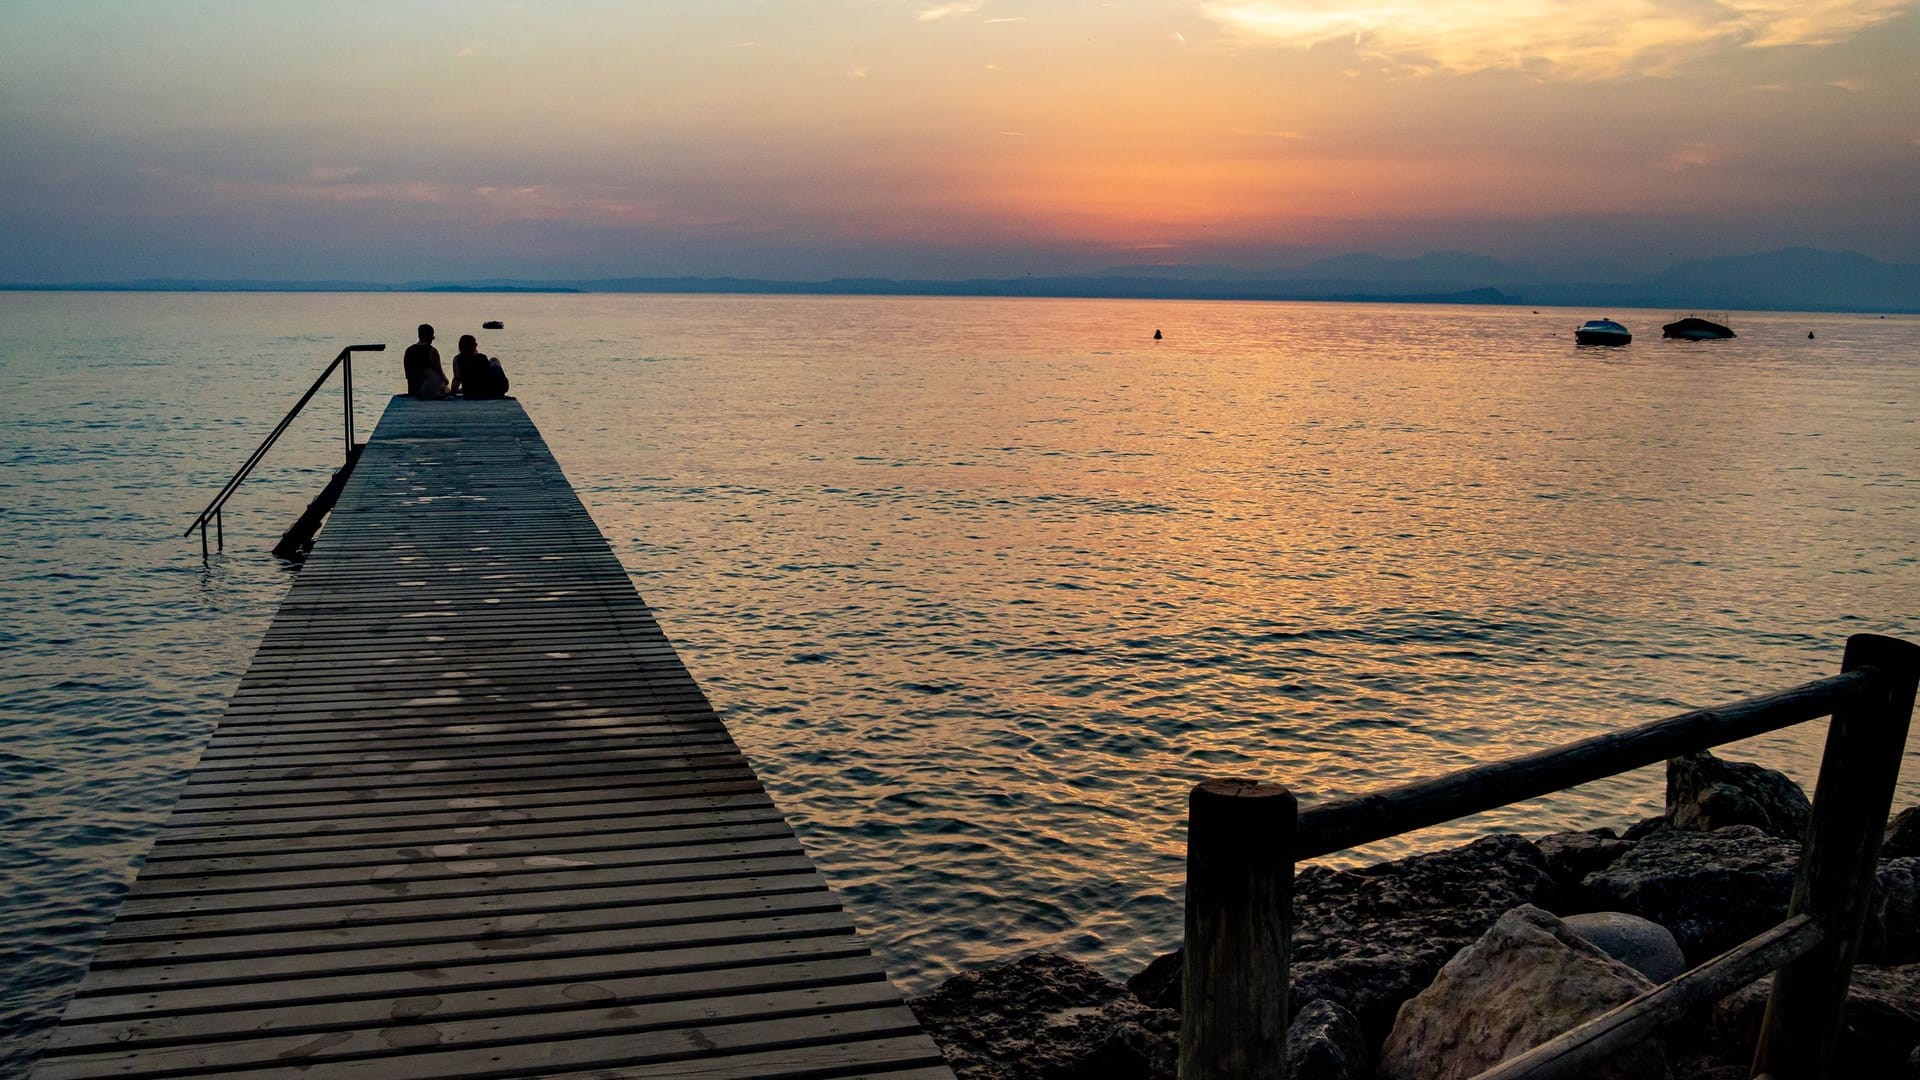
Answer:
(1245, 836)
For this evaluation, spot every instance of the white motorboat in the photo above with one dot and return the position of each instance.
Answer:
(1602, 332)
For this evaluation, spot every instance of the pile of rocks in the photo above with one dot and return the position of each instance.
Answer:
(1440, 965)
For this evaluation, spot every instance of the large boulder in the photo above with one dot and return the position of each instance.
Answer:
(1325, 1042)
(1526, 980)
(1893, 927)
(1048, 1017)
(1158, 984)
(1903, 835)
(1713, 890)
(1369, 939)
(1571, 856)
(1641, 944)
(1706, 792)
(1645, 827)
(1882, 1020)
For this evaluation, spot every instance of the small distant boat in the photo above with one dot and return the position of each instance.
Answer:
(1695, 328)
(1602, 332)
(493, 324)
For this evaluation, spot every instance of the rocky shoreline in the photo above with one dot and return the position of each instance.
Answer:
(1437, 966)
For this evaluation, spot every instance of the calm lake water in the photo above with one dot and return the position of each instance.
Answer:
(983, 586)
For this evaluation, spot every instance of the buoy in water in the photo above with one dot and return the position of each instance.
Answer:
(1156, 335)
(1809, 333)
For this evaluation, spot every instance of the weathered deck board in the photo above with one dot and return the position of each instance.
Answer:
(467, 815)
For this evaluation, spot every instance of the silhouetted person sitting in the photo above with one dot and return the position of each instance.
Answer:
(478, 376)
(426, 379)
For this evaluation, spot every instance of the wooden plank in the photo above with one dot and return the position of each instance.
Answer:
(292, 754)
(534, 1004)
(453, 712)
(482, 887)
(802, 1018)
(720, 781)
(434, 700)
(491, 836)
(416, 918)
(459, 1044)
(413, 819)
(162, 864)
(214, 796)
(335, 737)
(437, 963)
(457, 672)
(467, 815)
(401, 876)
(496, 931)
(480, 767)
(497, 650)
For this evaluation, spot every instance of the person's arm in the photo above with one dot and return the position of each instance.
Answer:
(454, 387)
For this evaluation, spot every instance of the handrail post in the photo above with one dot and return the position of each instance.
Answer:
(1835, 882)
(1239, 913)
(346, 395)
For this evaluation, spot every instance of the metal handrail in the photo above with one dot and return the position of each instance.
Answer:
(212, 512)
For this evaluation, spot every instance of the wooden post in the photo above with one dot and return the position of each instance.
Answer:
(1239, 913)
(1838, 859)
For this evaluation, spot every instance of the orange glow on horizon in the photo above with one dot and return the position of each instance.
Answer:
(921, 136)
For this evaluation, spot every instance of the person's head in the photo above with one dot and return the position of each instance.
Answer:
(426, 331)
(468, 343)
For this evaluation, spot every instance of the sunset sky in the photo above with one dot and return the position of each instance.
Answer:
(943, 138)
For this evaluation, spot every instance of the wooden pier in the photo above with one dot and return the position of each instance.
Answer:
(469, 816)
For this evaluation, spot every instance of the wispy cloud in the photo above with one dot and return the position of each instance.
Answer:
(860, 72)
(333, 174)
(955, 7)
(583, 204)
(463, 51)
(1692, 156)
(1586, 39)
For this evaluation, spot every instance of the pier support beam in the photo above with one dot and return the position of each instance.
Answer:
(297, 539)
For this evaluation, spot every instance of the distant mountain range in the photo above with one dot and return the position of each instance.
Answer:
(1792, 279)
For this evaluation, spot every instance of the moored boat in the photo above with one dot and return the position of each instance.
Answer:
(1695, 328)
(1602, 332)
